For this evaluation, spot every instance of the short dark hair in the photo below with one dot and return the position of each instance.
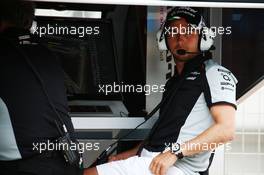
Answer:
(19, 13)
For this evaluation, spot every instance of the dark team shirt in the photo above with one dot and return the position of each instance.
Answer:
(25, 114)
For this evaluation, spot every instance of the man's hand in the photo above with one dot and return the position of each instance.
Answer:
(162, 162)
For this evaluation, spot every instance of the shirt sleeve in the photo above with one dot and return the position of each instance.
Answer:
(221, 85)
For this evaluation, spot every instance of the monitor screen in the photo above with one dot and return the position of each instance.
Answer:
(85, 50)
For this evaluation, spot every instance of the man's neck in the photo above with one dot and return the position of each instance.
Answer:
(179, 66)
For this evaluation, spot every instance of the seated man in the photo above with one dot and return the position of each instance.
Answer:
(199, 116)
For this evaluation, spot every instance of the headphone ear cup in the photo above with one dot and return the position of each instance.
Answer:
(206, 39)
(161, 41)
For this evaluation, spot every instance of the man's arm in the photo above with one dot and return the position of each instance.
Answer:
(222, 131)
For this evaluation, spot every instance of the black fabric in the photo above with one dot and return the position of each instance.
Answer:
(31, 116)
(49, 163)
(174, 114)
(191, 15)
(207, 92)
(210, 163)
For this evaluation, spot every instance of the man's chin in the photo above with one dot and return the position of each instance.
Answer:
(181, 58)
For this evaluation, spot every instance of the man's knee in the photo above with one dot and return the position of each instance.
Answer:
(90, 171)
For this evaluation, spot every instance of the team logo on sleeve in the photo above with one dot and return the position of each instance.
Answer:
(226, 77)
(224, 71)
(227, 88)
(226, 83)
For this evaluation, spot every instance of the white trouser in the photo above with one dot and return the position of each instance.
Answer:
(134, 166)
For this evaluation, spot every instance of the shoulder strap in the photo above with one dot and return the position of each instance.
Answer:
(205, 87)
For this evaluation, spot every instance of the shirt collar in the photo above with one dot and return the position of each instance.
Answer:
(194, 63)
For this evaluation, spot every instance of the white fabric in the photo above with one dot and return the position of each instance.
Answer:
(8, 146)
(197, 122)
(134, 166)
(222, 83)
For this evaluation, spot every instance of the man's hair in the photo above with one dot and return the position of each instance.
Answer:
(18, 13)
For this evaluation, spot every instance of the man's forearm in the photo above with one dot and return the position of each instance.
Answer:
(208, 140)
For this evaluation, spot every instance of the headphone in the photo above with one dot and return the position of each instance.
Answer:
(206, 35)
